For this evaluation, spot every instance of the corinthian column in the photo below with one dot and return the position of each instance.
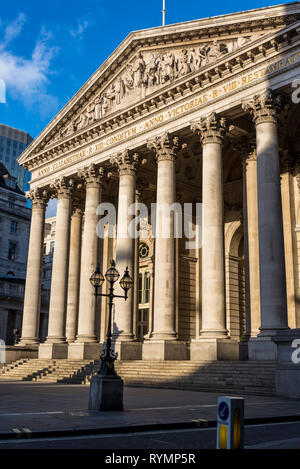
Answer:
(264, 110)
(160, 345)
(247, 151)
(86, 345)
(74, 270)
(55, 345)
(31, 310)
(126, 163)
(213, 342)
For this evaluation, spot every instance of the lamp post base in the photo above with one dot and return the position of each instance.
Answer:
(106, 393)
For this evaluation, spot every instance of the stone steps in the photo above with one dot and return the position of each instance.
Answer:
(247, 377)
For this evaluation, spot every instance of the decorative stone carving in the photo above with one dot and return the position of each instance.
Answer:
(126, 162)
(77, 206)
(38, 197)
(92, 175)
(165, 146)
(62, 187)
(246, 148)
(149, 70)
(264, 107)
(211, 128)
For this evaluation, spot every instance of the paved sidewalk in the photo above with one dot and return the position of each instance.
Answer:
(35, 408)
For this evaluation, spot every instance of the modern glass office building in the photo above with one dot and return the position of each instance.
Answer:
(12, 143)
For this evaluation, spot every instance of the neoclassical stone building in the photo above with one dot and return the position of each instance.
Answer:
(199, 112)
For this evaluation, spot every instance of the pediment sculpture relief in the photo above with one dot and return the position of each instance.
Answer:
(147, 72)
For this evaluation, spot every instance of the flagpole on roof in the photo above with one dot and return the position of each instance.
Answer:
(164, 13)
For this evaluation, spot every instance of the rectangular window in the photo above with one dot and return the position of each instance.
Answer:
(12, 251)
(52, 247)
(11, 202)
(140, 292)
(13, 227)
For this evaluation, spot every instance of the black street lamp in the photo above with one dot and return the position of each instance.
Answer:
(106, 391)
(108, 356)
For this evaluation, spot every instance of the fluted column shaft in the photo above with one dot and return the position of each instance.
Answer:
(74, 272)
(164, 320)
(264, 109)
(59, 281)
(31, 310)
(126, 163)
(253, 245)
(90, 243)
(211, 130)
(247, 149)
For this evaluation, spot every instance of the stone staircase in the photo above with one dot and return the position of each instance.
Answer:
(247, 377)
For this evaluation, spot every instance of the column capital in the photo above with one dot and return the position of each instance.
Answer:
(92, 175)
(77, 207)
(165, 146)
(127, 162)
(39, 197)
(211, 128)
(62, 187)
(246, 148)
(264, 107)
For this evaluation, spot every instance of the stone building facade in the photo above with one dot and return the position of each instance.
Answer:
(199, 112)
(14, 237)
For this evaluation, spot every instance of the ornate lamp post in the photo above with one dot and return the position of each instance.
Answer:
(106, 390)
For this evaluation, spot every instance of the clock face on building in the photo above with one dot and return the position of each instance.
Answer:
(143, 250)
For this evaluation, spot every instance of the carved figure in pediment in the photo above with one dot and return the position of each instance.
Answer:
(216, 50)
(105, 104)
(98, 108)
(71, 128)
(167, 66)
(139, 70)
(120, 90)
(202, 58)
(237, 43)
(192, 59)
(129, 77)
(184, 65)
(151, 72)
(86, 117)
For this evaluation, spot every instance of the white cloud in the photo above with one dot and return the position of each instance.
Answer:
(81, 27)
(13, 29)
(27, 78)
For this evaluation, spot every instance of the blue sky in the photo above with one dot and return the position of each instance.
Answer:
(49, 49)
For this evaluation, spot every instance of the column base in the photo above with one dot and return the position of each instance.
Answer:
(128, 350)
(243, 349)
(106, 393)
(84, 351)
(50, 351)
(11, 353)
(214, 349)
(164, 350)
(262, 348)
(29, 341)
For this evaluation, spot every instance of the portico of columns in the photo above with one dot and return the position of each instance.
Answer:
(73, 310)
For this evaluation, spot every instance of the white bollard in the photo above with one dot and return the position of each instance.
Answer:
(2, 351)
(230, 433)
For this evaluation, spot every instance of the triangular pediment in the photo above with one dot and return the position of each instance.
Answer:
(150, 60)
